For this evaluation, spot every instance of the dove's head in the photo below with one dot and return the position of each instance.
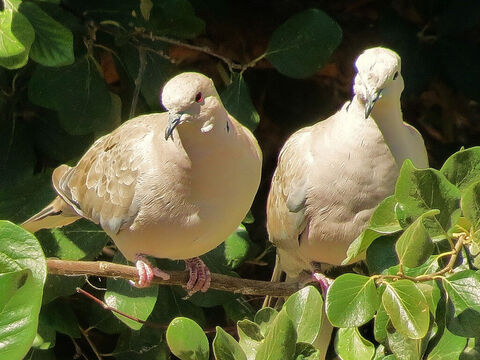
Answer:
(189, 97)
(378, 77)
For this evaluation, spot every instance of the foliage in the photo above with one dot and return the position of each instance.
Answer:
(73, 70)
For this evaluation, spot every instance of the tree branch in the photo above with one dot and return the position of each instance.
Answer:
(219, 281)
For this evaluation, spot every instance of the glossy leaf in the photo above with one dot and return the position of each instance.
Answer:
(383, 222)
(305, 309)
(305, 351)
(381, 254)
(280, 340)
(225, 346)
(380, 325)
(249, 337)
(420, 190)
(414, 246)
(405, 348)
(304, 43)
(463, 291)
(237, 101)
(351, 301)
(471, 205)
(17, 36)
(20, 251)
(137, 302)
(264, 318)
(407, 308)
(186, 340)
(448, 347)
(462, 169)
(350, 345)
(53, 45)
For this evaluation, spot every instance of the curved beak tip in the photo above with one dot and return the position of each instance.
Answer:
(173, 122)
(370, 103)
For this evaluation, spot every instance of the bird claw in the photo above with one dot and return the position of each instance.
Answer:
(146, 272)
(199, 276)
(323, 281)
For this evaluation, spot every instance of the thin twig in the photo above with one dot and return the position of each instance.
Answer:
(219, 281)
(138, 81)
(90, 342)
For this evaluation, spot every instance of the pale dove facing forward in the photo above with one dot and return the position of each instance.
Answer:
(170, 185)
(332, 175)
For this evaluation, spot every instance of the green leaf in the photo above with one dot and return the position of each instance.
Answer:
(420, 190)
(137, 302)
(380, 325)
(60, 316)
(237, 101)
(350, 345)
(463, 290)
(381, 254)
(264, 318)
(405, 348)
(17, 36)
(46, 335)
(470, 205)
(352, 300)
(432, 294)
(146, 344)
(82, 240)
(53, 45)
(10, 282)
(304, 351)
(59, 285)
(175, 18)
(415, 246)
(305, 309)
(187, 340)
(382, 222)
(463, 168)
(448, 347)
(239, 309)
(225, 347)
(280, 340)
(78, 92)
(19, 250)
(249, 337)
(407, 308)
(304, 43)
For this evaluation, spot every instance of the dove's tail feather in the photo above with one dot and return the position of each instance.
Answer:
(276, 276)
(56, 214)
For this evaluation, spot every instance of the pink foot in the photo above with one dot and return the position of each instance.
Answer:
(146, 272)
(199, 276)
(323, 281)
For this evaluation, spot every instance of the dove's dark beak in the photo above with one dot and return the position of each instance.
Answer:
(371, 100)
(174, 120)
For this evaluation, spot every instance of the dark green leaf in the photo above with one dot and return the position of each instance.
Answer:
(420, 190)
(407, 308)
(53, 45)
(237, 101)
(463, 291)
(415, 246)
(239, 309)
(381, 254)
(352, 300)
(60, 316)
(146, 344)
(19, 250)
(405, 348)
(380, 325)
(463, 168)
(304, 43)
(78, 92)
(383, 222)
(187, 340)
(280, 340)
(350, 345)
(225, 347)
(17, 36)
(305, 309)
(46, 335)
(137, 302)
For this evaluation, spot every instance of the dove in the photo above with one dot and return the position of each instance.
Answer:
(169, 185)
(331, 176)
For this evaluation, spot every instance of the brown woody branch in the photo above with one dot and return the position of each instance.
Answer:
(219, 281)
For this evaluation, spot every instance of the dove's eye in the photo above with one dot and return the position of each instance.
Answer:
(395, 75)
(199, 97)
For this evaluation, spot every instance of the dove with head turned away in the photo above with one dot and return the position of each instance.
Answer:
(168, 185)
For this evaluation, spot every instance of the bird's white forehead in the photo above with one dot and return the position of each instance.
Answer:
(182, 89)
(377, 64)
